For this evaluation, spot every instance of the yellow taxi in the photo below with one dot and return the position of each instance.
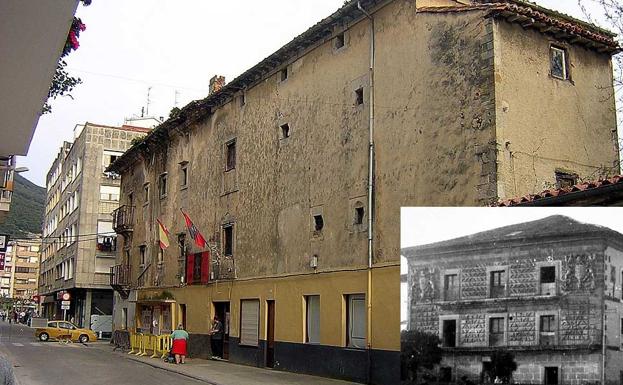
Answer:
(65, 330)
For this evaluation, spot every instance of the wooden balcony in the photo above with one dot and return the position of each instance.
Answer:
(123, 219)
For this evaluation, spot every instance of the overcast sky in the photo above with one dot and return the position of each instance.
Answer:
(174, 47)
(423, 225)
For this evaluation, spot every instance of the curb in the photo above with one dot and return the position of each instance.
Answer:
(153, 365)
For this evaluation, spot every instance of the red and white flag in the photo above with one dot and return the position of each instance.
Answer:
(194, 233)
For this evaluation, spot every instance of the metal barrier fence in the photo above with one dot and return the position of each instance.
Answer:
(144, 344)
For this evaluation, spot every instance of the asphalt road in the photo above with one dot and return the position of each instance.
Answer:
(52, 363)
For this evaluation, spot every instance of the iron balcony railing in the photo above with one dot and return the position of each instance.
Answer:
(123, 219)
(120, 275)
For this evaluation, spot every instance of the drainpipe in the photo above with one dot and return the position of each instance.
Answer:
(370, 185)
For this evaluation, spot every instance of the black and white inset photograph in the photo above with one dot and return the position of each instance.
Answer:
(512, 295)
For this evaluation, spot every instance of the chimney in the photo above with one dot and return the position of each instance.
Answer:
(216, 83)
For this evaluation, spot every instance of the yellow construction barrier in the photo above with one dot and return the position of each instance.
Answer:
(141, 344)
(134, 343)
(165, 345)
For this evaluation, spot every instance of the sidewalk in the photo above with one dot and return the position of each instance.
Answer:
(225, 373)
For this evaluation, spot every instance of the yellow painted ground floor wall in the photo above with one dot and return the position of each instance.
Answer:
(331, 356)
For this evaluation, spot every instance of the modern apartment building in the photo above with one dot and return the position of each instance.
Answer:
(549, 291)
(295, 173)
(79, 244)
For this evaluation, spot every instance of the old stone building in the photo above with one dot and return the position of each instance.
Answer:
(545, 290)
(79, 244)
(296, 170)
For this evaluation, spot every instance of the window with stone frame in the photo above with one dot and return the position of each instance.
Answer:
(451, 287)
(449, 333)
(230, 155)
(496, 331)
(497, 283)
(547, 329)
(547, 280)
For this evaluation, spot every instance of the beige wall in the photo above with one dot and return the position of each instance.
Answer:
(545, 124)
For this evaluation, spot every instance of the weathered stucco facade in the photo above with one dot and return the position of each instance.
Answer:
(558, 280)
(278, 162)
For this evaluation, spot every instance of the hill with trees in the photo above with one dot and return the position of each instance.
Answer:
(25, 217)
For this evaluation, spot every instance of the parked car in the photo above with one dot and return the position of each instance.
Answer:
(65, 330)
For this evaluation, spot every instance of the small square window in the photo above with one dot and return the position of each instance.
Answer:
(548, 274)
(230, 156)
(283, 74)
(285, 131)
(564, 179)
(359, 96)
(146, 193)
(318, 222)
(558, 62)
(359, 215)
(228, 240)
(162, 185)
(184, 176)
(339, 41)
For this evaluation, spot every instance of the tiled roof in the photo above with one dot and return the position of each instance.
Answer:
(555, 225)
(575, 192)
(527, 14)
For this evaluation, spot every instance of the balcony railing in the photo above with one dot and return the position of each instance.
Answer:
(123, 219)
(120, 275)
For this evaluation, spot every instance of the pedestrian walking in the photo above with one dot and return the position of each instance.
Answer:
(216, 338)
(180, 344)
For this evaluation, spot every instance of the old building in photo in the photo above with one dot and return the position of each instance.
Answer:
(549, 291)
(296, 170)
(79, 243)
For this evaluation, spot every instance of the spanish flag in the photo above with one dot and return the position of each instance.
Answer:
(163, 235)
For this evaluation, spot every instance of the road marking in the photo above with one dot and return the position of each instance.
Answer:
(17, 344)
(35, 343)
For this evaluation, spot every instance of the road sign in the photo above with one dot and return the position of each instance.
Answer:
(65, 303)
(66, 297)
(64, 307)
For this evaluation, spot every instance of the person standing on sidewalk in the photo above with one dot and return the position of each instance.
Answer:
(216, 338)
(180, 342)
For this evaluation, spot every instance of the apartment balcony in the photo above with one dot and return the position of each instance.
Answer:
(123, 219)
(120, 279)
